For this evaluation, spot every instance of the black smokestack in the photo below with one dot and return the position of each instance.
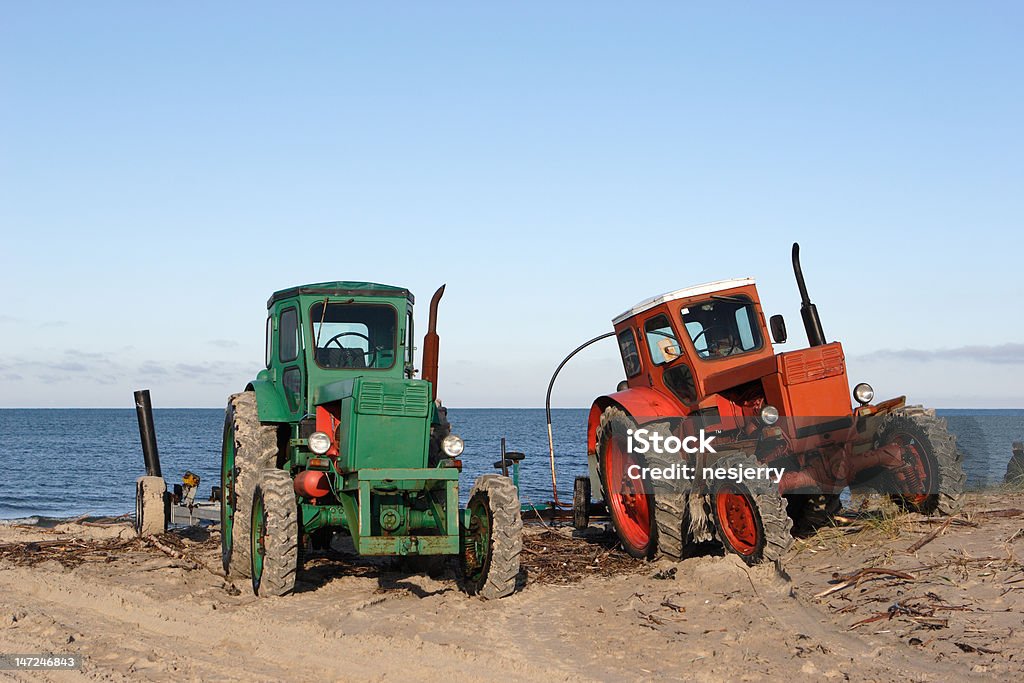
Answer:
(808, 311)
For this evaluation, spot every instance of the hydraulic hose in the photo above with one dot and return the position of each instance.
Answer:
(547, 410)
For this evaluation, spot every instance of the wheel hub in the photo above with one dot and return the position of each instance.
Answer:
(738, 521)
(630, 504)
(914, 474)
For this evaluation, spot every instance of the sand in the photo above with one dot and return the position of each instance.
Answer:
(133, 612)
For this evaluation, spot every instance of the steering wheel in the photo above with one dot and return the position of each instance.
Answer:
(701, 334)
(707, 351)
(372, 353)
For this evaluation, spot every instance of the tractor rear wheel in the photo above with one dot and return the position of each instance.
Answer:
(750, 516)
(274, 535)
(630, 503)
(247, 448)
(493, 540)
(936, 472)
(671, 500)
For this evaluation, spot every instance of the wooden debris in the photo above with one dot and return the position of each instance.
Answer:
(672, 606)
(70, 552)
(862, 575)
(929, 538)
(553, 558)
(977, 648)
(1006, 512)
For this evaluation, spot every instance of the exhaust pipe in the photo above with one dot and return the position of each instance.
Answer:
(431, 342)
(808, 311)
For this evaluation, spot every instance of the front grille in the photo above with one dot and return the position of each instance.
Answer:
(398, 399)
(811, 364)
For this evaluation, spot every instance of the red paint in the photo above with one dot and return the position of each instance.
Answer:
(735, 514)
(627, 499)
(327, 421)
(312, 484)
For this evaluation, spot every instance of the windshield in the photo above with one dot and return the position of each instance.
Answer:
(722, 327)
(354, 336)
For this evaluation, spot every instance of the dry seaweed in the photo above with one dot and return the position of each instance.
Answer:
(70, 552)
(553, 558)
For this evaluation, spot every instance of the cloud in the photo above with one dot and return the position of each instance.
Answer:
(94, 356)
(1000, 354)
(191, 370)
(70, 366)
(214, 371)
(152, 368)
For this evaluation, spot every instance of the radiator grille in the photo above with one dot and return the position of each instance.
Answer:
(811, 364)
(399, 399)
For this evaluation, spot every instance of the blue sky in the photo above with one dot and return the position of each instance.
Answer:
(164, 167)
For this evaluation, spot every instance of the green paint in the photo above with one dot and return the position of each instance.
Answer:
(227, 493)
(258, 532)
(347, 347)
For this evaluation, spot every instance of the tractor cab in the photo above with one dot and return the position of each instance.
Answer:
(706, 351)
(330, 332)
(675, 342)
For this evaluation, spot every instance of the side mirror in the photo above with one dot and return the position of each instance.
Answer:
(778, 326)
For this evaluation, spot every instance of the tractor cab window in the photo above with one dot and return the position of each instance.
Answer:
(354, 336)
(630, 357)
(724, 326)
(661, 340)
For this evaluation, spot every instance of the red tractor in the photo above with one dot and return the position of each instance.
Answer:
(699, 363)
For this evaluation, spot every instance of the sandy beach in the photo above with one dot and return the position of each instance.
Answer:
(942, 602)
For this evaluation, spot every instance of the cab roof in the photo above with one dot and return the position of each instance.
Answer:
(684, 293)
(342, 288)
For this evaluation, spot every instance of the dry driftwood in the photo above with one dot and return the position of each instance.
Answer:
(929, 538)
(551, 557)
(857, 577)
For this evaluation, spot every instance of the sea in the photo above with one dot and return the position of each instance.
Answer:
(60, 463)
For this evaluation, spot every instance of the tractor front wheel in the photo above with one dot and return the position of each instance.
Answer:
(247, 448)
(274, 535)
(493, 538)
(933, 478)
(630, 505)
(750, 516)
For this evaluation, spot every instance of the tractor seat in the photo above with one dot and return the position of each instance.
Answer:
(335, 357)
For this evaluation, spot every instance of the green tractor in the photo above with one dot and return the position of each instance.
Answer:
(338, 435)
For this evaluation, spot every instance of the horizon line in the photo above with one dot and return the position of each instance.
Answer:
(447, 406)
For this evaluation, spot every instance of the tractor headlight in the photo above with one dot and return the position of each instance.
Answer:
(769, 415)
(452, 446)
(863, 393)
(319, 442)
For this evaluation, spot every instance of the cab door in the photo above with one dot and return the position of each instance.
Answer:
(290, 358)
(670, 372)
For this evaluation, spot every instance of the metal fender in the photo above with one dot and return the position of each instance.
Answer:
(642, 403)
(270, 405)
